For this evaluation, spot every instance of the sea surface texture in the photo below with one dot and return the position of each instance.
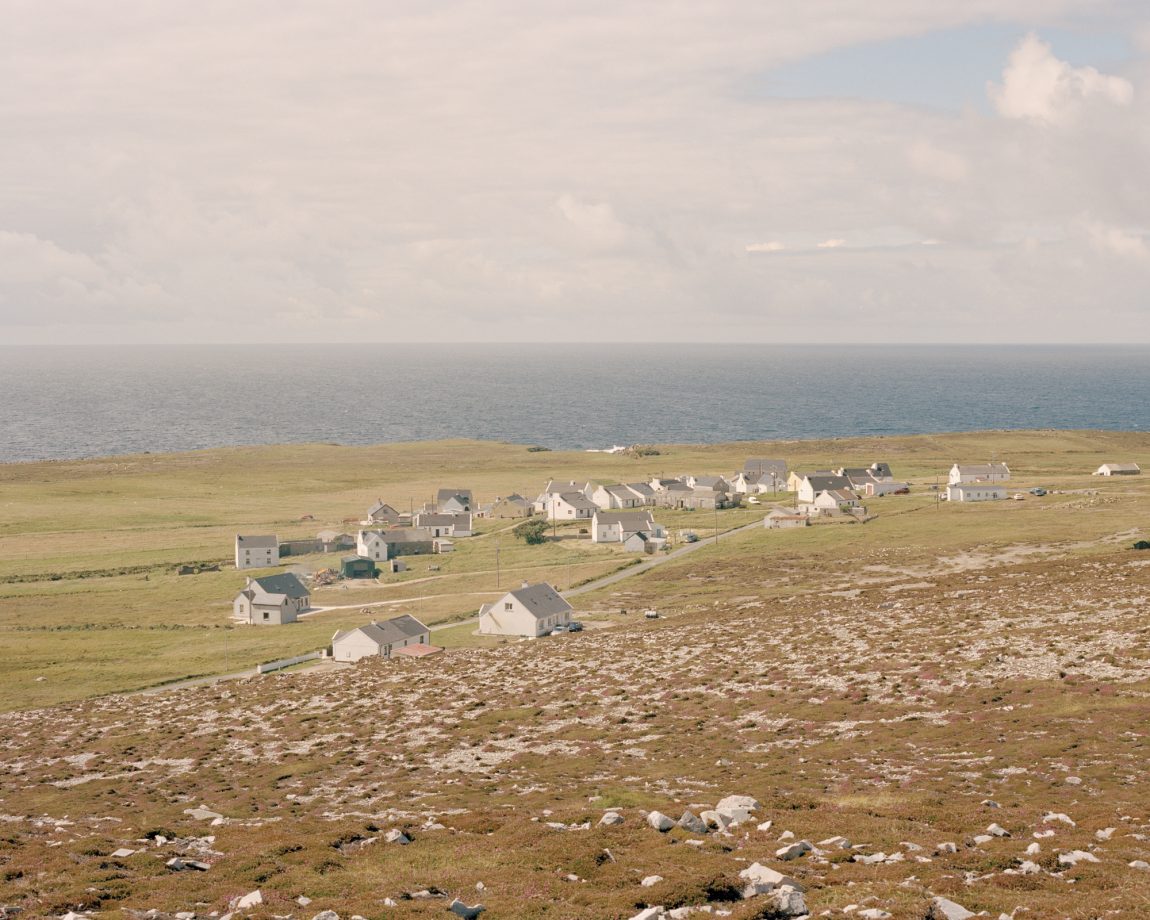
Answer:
(71, 402)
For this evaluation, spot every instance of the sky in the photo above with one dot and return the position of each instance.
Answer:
(540, 171)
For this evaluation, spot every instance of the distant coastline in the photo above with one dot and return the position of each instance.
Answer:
(76, 402)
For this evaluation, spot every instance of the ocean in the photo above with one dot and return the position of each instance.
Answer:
(70, 402)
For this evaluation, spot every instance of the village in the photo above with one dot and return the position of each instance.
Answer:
(617, 515)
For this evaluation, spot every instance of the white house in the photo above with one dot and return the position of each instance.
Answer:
(835, 500)
(271, 601)
(568, 506)
(978, 472)
(644, 492)
(779, 519)
(975, 492)
(444, 525)
(379, 640)
(714, 483)
(450, 501)
(387, 544)
(532, 610)
(257, 552)
(510, 506)
(643, 543)
(1118, 469)
(382, 513)
(618, 526)
(616, 496)
(814, 483)
(745, 483)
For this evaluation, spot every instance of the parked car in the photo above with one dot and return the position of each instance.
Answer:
(1037, 491)
(575, 626)
(560, 629)
(691, 538)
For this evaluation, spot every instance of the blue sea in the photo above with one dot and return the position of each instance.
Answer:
(68, 402)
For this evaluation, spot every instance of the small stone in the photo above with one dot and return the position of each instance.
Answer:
(651, 881)
(251, 899)
(765, 826)
(789, 902)
(737, 801)
(693, 823)
(650, 913)
(715, 819)
(1029, 868)
(763, 880)
(660, 821)
(1105, 834)
(610, 819)
(326, 915)
(122, 853)
(1033, 850)
(980, 839)
(1050, 817)
(303, 900)
(1076, 856)
(794, 850)
(395, 835)
(998, 830)
(836, 843)
(870, 860)
(874, 913)
(1073, 781)
(1139, 864)
(947, 847)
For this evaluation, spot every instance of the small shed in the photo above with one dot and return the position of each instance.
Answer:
(357, 567)
(444, 546)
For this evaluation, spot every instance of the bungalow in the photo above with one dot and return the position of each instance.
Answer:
(449, 501)
(814, 483)
(1118, 469)
(975, 492)
(644, 543)
(830, 500)
(644, 492)
(671, 493)
(387, 544)
(555, 488)
(615, 496)
(978, 472)
(708, 500)
(382, 513)
(257, 552)
(379, 640)
(568, 506)
(617, 526)
(445, 525)
(779, 519)
(271, 601)
(532, 610)
(511, 506)
(744, 483)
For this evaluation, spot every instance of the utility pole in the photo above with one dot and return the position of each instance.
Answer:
(716, 521)
(498, 546)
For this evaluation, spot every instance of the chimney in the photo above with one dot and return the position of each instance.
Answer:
(525, 585)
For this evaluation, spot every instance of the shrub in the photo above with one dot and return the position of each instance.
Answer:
(532, 532)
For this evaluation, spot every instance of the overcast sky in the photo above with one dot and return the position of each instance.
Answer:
(824, 171)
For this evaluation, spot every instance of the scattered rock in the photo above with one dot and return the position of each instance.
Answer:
(874, 913)
(1139, 864)
(462, 910)
(693, 823)
(737, 801)
(947, 847)
(794, 850)
(650, 913)
(122, 853)
(178, 864)
(651, 881)
(1105, 834)
(610, 819)
(326, 915)
(395, 835)
(1076, 856)
(660, 821)
(715, 819)
(1050, 817)
(763, 880)
(788, 902)
(945, 909)
(251, 899)
(998, 830)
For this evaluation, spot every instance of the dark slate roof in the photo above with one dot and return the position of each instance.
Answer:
(759, 465)
(390, 631)
(828, 483)
(285, 583)
(261, 541)
(541, 600)
(444, 495)
(632, 518)
(379, 506)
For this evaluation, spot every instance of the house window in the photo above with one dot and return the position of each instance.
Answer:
(267, 616)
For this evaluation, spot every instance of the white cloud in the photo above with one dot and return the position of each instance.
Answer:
(772, 246)
(1038, 87)
(931, 160)
(1117, 241)
(832, 244)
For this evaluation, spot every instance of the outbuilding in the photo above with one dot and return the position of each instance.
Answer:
(357, 567)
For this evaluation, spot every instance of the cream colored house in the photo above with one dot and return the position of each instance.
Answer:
(379, 640)
(257, 552)
(271, 601)
(1118, 469)
(532, 610)
(618, 526)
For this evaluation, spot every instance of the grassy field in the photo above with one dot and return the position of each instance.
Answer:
(904, 683)
(90, 602)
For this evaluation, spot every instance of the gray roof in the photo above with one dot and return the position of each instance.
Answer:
(285, 583)
(881, 470)
(402, 535)
(389, 632)
(620, 491)
(328, 535)
(514, 497)
(973, 468)
(541, 600)
(642, 488)
(555, 486)
(577, 500)
(759, 466)
(260, 541)
(826, 483)
(632, 518)
(440, 518)
(708, 481)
